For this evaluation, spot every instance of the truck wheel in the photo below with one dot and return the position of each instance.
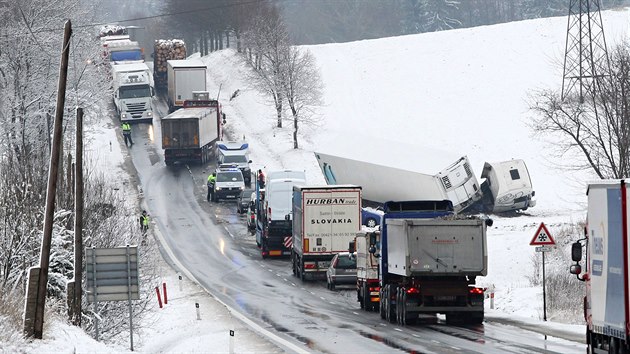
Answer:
(381, 302)
(366, 298)
(391, 309)
(301, 270)
(475, 318)
(362, 304)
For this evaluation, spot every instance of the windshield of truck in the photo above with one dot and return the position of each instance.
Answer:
(234, 159)
(124, 55)
(229, 176)
(135, 91)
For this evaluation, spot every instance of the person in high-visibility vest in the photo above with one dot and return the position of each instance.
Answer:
(144, 222)
(126, 129)
(211, 179)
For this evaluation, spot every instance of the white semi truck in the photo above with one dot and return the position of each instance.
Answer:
(325, 220)
(382, 183)
(507, 185)
(133, 92)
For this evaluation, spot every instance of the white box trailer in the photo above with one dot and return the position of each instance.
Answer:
(607, 269)
(189, 132)
(380, 183)
(184, 77)
(325, 220)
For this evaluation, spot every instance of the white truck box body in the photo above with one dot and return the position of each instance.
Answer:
(184, 77)
(436, 247)
(192, 127)
(510, 185)
(330, 217)
(382, 183)
(607, 257)
(278, 197)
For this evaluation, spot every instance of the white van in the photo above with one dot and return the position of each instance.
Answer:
(279, 198)
(292, 174)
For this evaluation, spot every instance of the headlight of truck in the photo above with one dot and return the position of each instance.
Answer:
(241, 187)
(123, 115)
(150, 114)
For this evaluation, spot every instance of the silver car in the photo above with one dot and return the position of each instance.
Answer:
(342, 270)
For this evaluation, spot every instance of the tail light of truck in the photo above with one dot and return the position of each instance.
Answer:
(375, 288)
(476, 291)
(413, 291)
(309, 265)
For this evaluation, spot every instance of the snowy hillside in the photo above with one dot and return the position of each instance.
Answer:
(465, 92)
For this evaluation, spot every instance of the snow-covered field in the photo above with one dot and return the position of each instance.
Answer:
(462, 91)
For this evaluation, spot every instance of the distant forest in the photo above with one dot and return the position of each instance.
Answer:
(326, 21)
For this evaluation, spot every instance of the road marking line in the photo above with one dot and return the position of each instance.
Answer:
(356, 313)
(398, 329)
(415, 335)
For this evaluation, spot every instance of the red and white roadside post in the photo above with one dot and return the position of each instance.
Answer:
(545, 243)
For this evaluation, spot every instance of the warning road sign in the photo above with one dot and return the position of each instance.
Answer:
(542, 237)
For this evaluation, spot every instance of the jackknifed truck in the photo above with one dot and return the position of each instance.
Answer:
(429, 259)
(189, 133)
(325, 220)
(606, 273)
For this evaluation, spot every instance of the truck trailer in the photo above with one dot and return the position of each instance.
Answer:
(325, 220)
(607, 270)
(189, 132)
(507, 186)
(184, 77)
(382, 183)
(429, 259)
(133, 92)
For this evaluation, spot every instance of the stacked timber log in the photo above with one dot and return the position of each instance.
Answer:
(163, 50)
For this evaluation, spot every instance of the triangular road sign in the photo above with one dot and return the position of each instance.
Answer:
(542, 237)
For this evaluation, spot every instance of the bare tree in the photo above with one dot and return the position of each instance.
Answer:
(302, 87)
(597, 129)
(268, 40)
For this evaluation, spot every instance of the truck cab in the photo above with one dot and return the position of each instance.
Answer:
(133, 91)
(237, 153)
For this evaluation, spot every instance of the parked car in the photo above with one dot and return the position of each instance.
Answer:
(371, 217)
(242, 203)
(342, 270)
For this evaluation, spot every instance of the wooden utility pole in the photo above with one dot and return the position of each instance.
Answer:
(75, 293)
(38, 276)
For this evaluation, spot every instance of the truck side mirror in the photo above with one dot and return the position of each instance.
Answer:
(372, 240)
(152, 92)
(223, 117)
(576, 252)
(351, 246)
(372, 249)
(489, 222)
(575, 269)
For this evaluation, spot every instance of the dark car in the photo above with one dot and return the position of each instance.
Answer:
(342, 270)
(243, 201)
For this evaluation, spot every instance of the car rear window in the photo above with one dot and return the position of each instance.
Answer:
(345, 262)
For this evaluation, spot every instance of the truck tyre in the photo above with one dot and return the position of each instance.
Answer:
(390, 309)
(293, 263)
(381, 302)
(475, 318)
(366, 298)
(302, 269)
(360, 293)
